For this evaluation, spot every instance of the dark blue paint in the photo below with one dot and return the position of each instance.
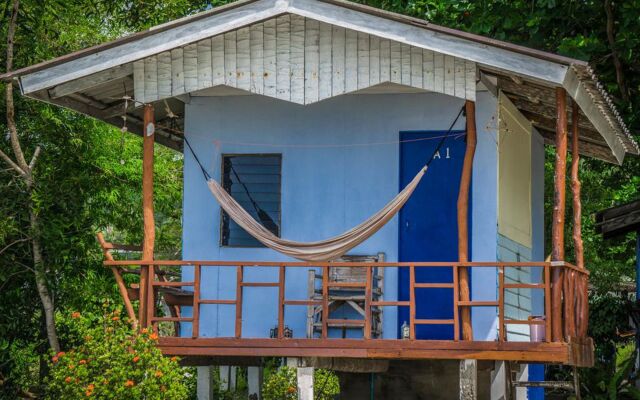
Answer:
(428, 226)
(536, 374)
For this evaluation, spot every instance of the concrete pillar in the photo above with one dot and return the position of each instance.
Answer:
(204, 383)
(254, 383)
(305, 383)
(305, 378)
(468, 379)
(227, 377)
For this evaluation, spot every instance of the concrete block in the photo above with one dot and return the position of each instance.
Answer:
(305, 383)
(254, 383)
(204, 383)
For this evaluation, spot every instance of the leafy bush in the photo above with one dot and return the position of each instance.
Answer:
(113, 362)
(283, 385)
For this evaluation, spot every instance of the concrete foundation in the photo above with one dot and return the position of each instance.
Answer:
(414, 380)
(204, 383)
(254, 383)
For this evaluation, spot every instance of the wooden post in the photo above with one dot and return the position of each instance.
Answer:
(463, 218)
(557, 225)
(146, 291)
(119, 281)
(575, 188)
(581, 300)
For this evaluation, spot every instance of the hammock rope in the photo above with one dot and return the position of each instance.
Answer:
(323, 250)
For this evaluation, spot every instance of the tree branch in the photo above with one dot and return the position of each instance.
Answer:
(11, 118)
(13, 165)
(617, 63)
(13, 243)
(34, 158)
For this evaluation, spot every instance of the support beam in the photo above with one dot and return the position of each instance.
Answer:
(463, 218)
(468, 379)
(580, 292)
(557, 224)
(146, 295)
(119, 281)
(82, 84)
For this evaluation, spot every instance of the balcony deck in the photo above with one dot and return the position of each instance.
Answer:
(573, 348)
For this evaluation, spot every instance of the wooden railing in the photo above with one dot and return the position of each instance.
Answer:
(572, 304)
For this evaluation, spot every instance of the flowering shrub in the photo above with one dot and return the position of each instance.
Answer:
(113, 362)
(283, 385)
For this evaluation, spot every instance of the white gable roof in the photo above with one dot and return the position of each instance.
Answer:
(132, 64)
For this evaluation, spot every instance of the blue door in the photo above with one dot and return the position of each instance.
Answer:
(428, 225)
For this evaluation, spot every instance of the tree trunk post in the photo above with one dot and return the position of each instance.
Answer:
(581, 300)
(463, 218)
(557, 226)
(146, 278)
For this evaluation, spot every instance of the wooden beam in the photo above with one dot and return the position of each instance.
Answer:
(147, 208)
(582, 301)
(122, 288)
(575, 188)
(557, 224)
(82, 84)
(463, 218)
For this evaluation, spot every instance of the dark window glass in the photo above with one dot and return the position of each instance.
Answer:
(253, 180)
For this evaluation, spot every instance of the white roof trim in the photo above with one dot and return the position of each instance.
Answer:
(486, 55)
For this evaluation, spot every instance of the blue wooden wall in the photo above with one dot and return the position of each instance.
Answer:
(325, 190)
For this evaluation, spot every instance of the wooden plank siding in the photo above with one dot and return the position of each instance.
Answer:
(300, 60)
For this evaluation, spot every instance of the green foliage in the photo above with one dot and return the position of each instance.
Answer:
(611, 384)
(113, 362)
(282, 384)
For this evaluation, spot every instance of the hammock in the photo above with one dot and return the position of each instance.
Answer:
(324, 250)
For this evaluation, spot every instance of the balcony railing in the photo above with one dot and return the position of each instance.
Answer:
(567, 307)
(572, 305)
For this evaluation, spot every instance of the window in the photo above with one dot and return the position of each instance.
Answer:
(253, 180)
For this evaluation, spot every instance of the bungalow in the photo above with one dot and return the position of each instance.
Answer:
(312, 115)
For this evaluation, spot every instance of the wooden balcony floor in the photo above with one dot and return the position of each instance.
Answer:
(575, 352)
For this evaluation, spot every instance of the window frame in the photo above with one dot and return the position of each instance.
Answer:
(224, 156)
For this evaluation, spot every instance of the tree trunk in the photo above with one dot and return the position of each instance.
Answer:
(25, 171)
(41, 282)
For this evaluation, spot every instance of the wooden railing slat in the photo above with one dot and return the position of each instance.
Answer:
(239, 278)
(195, 326)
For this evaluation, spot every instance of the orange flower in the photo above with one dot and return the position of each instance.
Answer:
(60, 354)
(75, 315)
(82, 362)
(115, 318)
(54, 359)
(129, 383)
(67, 379)
(71, 366)
(91, 386)
(136, 359)
(144, 331)
(88, 393)
(291, 389)
(153, 336)
(159, 374)
(174, 358)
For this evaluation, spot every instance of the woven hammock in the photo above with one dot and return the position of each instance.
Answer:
(320, 251)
